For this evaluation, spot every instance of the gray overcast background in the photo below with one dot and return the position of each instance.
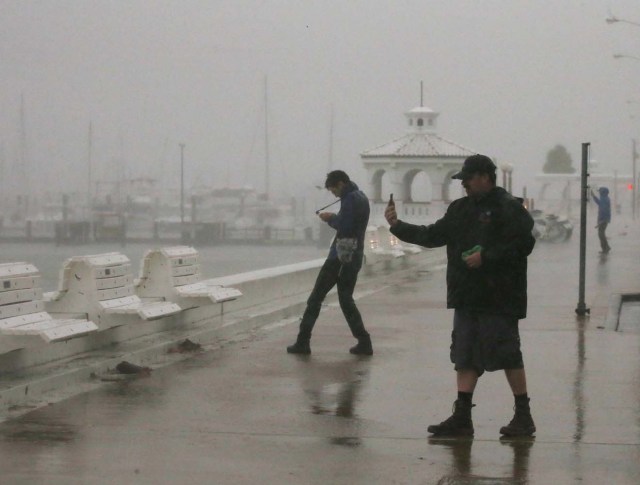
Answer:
(510, 78)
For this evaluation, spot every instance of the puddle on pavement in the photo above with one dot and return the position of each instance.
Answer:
(462, 465)
(48, 425)
(334, 388)
(37, 428)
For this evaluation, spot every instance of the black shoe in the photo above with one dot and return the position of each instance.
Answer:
(522, 423)
(299, 348)
(458, 424)
(363, 347)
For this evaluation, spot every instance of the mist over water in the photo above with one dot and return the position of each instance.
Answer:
(214, 261)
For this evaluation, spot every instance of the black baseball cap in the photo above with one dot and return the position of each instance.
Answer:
(475, 164)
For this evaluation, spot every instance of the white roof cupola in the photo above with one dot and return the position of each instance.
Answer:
(421, 120)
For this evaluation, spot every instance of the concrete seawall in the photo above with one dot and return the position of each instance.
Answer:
(46, 373)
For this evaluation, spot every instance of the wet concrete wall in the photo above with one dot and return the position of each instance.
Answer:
(264, 291)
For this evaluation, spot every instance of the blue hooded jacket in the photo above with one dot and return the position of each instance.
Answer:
(352, 219)
(604, 205)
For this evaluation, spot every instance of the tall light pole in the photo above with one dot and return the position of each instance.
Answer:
(267, 168)
(182, 145)
(507, 170)
(581, 308)
(612, 19)
(634, 179)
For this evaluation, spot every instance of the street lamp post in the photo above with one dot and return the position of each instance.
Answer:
(612, 19)
(182, 145)
(507, 170)
(581, 309)
(634, 180)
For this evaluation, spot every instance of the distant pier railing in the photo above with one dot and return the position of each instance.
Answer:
(121, 230)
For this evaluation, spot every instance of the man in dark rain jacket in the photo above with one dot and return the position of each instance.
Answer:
(488, 238)
(341, 266)
(604, 217)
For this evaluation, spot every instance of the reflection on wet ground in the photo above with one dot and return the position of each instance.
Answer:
(37, 428)
(461, 467)
(602, 271)
(334, 389)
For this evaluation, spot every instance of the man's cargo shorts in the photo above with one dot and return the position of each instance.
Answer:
(485, 342)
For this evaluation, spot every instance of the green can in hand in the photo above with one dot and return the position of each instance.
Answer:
(469, 252)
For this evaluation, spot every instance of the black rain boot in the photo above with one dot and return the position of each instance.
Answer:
(458, 424)
(300, 347)
(363, 347)
(522, 423)
(304, 337)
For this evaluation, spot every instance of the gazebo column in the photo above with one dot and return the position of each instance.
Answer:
(397, 187)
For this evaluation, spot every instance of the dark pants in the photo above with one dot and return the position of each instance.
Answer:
(604, 244)
(345, 276)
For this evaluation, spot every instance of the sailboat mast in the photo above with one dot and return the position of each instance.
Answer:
(266, 141)
(330, 161)
(2, 168)
(24, 171)
(89, 181)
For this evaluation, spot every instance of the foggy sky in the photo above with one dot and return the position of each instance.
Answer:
(509, 78)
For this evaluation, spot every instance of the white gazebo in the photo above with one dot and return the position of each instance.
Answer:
(419, 158)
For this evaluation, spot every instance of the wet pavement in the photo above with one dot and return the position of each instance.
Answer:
(247, 412)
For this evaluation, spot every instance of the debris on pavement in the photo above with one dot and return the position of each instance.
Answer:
(125, 367)
(186, 346)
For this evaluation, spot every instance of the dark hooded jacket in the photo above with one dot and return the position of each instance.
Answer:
(604, 205)
(352, 219)
(500, 224)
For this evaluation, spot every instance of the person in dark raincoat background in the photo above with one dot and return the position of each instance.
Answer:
(604, 217)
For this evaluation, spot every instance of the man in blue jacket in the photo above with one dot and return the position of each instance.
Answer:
(341, 266)
(488, 238)
(604, 217)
